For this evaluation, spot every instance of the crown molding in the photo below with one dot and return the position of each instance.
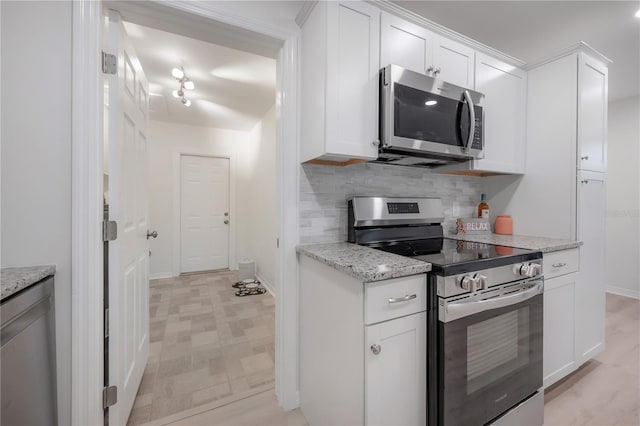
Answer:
(403, 13)
(305, 11)
(575, 48)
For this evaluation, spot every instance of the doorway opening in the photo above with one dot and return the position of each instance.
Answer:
(208, 174)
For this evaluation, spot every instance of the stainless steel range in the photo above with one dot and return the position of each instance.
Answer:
(485, 307)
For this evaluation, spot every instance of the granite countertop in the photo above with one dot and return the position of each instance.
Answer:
(364, 263)
(13, 280)
(543, 244)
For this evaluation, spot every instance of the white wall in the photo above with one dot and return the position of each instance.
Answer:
(623, 197)
(36, 156)
(167, 142)
(258, 199)
(253, 196)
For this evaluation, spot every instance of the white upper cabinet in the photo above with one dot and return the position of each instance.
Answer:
(339, 80)
(416, 48)
(454, 62)
(405, 44)
(504, 87)
(592, 114)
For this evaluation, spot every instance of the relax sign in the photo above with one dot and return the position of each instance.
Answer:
(474, 226)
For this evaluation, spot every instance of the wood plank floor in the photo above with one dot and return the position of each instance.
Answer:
(604, 392)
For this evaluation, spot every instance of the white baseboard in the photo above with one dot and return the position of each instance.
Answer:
(621, 291)
(267, 285)
(160, 275)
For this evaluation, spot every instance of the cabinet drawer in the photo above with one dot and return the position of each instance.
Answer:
(395, 298)
(561, 263)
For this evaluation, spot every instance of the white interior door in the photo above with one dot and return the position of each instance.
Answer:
(128, 206)
(204, 213)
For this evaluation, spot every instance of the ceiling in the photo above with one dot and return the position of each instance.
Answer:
(233, 89)
(531, 30)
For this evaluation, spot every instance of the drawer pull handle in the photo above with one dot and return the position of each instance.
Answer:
(403, 299)
(559, 265)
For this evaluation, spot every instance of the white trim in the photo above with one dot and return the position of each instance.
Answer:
(288, 132)
(394, 9)
(621, 291)
(161, 276)
(270, 288)
(576, 48)
(87, 178)
(177, 208)
(86, 216)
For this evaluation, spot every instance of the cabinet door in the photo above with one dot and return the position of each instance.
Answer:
(454, 62)
(405, 44)
(559, 328)
(353, 60)
(504, 87)
(592, 114)
(590, 289)
(396, 377)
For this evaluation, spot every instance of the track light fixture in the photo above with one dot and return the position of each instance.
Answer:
(185, 84)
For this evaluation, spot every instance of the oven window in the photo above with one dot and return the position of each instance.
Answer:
(496, 348)
(488, 362)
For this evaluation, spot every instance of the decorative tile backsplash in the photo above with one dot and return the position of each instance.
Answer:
(324, 191)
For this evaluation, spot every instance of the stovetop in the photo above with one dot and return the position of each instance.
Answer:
(451, 257)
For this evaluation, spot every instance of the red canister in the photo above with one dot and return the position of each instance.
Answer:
(504, 225)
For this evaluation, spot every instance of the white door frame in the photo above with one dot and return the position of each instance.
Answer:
(177, 209)
(87, 176)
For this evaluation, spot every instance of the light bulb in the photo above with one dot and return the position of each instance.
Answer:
(189, 85)
(430, 103)
(177, 73)
(175, 94)
(187, 103)
(638, 14)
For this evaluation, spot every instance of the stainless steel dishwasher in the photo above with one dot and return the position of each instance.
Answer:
(28, 361)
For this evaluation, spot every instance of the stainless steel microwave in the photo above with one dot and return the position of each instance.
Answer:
(428, 122)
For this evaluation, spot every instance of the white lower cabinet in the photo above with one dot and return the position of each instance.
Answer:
(591, 291)
(559, 354)
(395, 360)
(363, 348)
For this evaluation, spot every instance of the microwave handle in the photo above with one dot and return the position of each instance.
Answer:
(472, 120)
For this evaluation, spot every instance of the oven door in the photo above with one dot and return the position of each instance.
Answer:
(490, 352)
(423, 115)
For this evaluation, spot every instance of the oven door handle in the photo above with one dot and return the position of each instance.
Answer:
(456, 310)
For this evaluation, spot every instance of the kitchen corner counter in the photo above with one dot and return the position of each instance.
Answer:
(546, 245)
(13, 280)
(364, 263)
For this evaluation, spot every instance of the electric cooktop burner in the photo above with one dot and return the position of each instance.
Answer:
(449, 256)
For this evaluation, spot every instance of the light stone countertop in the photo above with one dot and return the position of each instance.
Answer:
(13, 280)
(546, 245)
(363, 263)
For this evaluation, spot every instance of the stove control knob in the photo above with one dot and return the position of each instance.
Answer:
(470, 283)
(529, 269)
(484, 282)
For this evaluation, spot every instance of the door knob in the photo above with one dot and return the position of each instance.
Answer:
(153, 234)
(437, 70)
(226, 213)
(376, 349)
(586, 157)
(226, 222)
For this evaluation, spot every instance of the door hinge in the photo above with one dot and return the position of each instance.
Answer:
(277, 242)
(109, 63)
(109, 396)
(106, 323)
(109, 230)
